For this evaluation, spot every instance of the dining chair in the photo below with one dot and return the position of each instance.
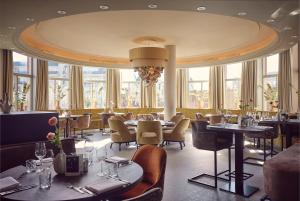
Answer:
(154, 194)
(177, 118)
(81, 123)
(268, 135)
(120, 133)
(177, 134)
(149, 132)
(153, 160)
(62, 125)
(215, 118)
(211, 141)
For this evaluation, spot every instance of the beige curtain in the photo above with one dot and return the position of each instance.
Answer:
(76, 88)
(182, 88)
(284, 81)
(249, 83)
(216, 87)
(41, 98)
(148, 96)
(7, 81)
(112, 87)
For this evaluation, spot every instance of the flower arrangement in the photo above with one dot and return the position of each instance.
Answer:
(54, 137)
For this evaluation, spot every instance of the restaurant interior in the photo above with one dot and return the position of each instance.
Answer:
(147, 100)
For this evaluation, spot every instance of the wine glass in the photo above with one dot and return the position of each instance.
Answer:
(101, 155)
(40, 151)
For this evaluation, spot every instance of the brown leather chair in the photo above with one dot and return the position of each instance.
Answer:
(153, 161)
(120, 133)
(177, 134)
(154, 194)
(214, 118)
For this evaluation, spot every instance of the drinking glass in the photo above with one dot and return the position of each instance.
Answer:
(45, 178)
(89, 148)
(30, 165)
(40, 151)
(101, 155)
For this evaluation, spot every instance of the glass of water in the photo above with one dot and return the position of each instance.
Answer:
(45, 178)
(30, 166)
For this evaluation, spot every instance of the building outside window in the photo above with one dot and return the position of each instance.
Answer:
(270, 81)
(233, 73)
(160, 91)
(59, 89)
(22, 82)
(198, 87)
(130, 88)
(94, 86)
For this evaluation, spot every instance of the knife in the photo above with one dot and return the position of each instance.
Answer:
(22, 188)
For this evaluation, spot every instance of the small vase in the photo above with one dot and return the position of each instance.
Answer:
(59, 162)
(57, 105)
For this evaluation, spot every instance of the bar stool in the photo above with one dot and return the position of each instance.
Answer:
(211, 141)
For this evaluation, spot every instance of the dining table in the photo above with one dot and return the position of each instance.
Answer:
(163, 123)
(131, 174)
(68, 119)
(237, 186)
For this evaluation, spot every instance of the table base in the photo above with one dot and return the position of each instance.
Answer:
(248, 190)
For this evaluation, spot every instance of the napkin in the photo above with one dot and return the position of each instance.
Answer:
(8, 183)
(117, 159)
(14, 172)
(102, 187)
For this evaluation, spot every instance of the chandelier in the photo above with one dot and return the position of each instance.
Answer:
(149, 62)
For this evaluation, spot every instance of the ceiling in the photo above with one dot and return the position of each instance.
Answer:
(226, 31)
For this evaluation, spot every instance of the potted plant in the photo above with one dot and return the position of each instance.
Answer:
(270, 95)
(59, 95)
(22, 96)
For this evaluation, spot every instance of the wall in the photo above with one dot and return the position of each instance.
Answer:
(1, 74)
(295, 77)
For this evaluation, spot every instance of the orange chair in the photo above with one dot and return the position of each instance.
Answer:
(153, 161)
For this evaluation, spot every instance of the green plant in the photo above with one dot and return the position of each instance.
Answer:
(22, 94)
(270, 94)
(59, 93)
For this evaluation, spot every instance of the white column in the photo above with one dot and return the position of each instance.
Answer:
(170, 83)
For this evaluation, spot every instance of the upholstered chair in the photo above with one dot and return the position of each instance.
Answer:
(200, 117)
(154, 194)
(177, 118)
(118, 117)
(178, 133)
(211, 141)
(128, 116)
(268, 135)
(149, 132)
(153, 161)
(120, 133)
(68, 145)
(146, 117)
(215, 118)
(83, 122)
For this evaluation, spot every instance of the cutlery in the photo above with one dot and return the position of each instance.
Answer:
(86, 190)
(22, 188)
(76, 189)
(119, 179)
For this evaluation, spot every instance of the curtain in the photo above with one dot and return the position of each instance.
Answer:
(112, 87)
(7, 81)
(76, 87)
(148, 96)
(216, 87)
(249, 83)
(182, 88)
(41, 99)
(284, 81)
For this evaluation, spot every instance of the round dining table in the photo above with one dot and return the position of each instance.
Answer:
(59, 190)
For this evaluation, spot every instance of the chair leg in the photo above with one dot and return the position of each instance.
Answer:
(183, 143)
(81, 133)
(281, 142)
(111, 145)
(229, 163)
(265, 155)
(180, 145)
(272, 147)
(216, 169)
(258, 143)
(254, 139)
(120, 146)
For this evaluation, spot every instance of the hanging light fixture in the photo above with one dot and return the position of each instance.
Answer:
(149, 62)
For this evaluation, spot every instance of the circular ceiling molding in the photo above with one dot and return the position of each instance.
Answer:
(104, 38)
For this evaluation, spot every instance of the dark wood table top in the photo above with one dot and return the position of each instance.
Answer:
(238, 129)
(59, 190)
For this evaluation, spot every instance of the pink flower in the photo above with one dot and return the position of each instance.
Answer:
(50, 136)
(52, 121)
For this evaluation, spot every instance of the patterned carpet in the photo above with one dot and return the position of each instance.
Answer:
(189, 162)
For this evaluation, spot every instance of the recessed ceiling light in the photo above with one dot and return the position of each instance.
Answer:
(11, 28)
(152, 6)
(287, 28)
(295, 12)
(270, 20)
(294, 36)
(29, 19)
(104, 7)
(242, 13)
(61, 12)
(201, 8)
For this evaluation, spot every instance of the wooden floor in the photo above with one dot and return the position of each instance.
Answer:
(189, 162)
